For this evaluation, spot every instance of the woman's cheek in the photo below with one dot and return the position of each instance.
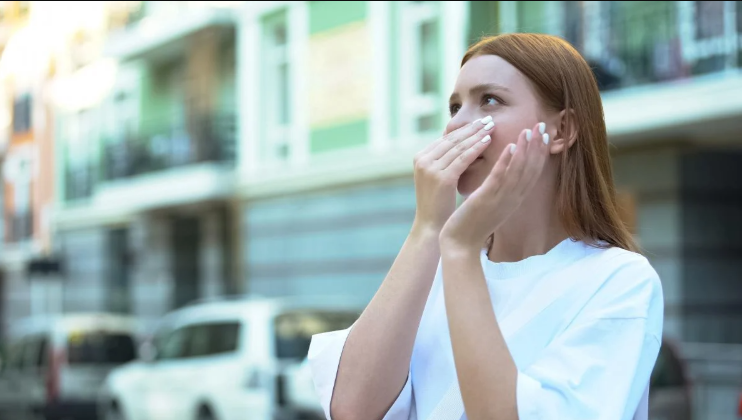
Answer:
(499, 142)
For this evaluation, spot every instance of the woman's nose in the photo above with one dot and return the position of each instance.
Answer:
(459, 120)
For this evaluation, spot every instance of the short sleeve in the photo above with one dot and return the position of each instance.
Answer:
(324, 355)
(599, 367)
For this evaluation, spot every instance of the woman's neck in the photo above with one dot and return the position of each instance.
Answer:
(533, 229)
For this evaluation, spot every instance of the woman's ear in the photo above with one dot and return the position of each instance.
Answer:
(566, 134)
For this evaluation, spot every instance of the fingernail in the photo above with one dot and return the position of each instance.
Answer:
(529, 134)
(486, 138)
(546, 139)
(489, 126)
(486, 119)
(541, 127)
(512, 149)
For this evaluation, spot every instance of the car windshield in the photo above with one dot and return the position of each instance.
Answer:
(294, 330)
(99, 347)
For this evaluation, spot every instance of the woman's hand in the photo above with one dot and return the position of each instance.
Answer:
(501, 193)
(438, 168)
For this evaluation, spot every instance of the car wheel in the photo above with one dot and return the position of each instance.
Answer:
(205, 414)
(113, 413)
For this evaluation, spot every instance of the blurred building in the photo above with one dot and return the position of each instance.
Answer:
(149, 164)
(204, 148)
(29, 272)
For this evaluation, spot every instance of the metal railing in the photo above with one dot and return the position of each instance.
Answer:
(79, 182)
(636, 43)
(208, 138)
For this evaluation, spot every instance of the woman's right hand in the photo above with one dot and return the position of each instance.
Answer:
(438, 168)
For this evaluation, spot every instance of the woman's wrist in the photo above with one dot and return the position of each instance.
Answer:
(455, 248)
(424, 231)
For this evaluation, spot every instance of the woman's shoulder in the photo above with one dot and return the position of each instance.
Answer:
(632, 287)
(616, 261)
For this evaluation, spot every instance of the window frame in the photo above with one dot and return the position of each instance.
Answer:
(276, 134)
(413, 104)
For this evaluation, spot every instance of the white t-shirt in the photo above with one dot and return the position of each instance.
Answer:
(590, 361)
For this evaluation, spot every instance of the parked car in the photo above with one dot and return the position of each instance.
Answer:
(225, 359)
(55, 365)
(670, 393)
(300, 391)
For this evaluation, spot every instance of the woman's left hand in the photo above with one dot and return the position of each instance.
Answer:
(501, 193)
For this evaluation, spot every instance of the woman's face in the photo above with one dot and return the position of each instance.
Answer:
(489, 85)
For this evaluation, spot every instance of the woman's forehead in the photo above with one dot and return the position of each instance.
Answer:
(489, 70)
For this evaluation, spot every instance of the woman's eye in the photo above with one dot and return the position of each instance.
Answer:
(453, 109)
(490, 100)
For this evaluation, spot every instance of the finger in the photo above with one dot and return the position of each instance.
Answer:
(517, 163)
(540, 139)
(498, 171)
(455, 152)
(468, 156)
(455, 137)
(535, 155)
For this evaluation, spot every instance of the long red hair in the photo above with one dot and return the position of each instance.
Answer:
(563, 80)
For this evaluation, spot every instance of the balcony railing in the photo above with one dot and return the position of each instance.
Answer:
(79, 182)
(635, 43)
(209, 138)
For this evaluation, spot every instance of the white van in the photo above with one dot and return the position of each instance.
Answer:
(55, 365)
(226, 359)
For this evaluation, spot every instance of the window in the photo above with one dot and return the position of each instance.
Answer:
(201, 340)
(22, 114)
(212, 339)
(294, 330)
(276, 81)
(420, 67)
(172, 346)
(224, 337)
(99, 348)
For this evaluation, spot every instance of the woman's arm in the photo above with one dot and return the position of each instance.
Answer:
(375, 361)
(376, 358)
(486, 371)
(597, 369)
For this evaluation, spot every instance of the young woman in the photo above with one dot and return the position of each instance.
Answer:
(539, 307)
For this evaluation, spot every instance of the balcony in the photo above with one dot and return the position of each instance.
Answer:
(657, 42)
(210, 138)
(669, 71)
(79, 182)
(638, 43)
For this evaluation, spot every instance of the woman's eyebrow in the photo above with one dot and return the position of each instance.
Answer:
(479, 89)
(487, 87)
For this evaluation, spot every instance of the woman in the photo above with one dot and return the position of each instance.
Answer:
(539, 308)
